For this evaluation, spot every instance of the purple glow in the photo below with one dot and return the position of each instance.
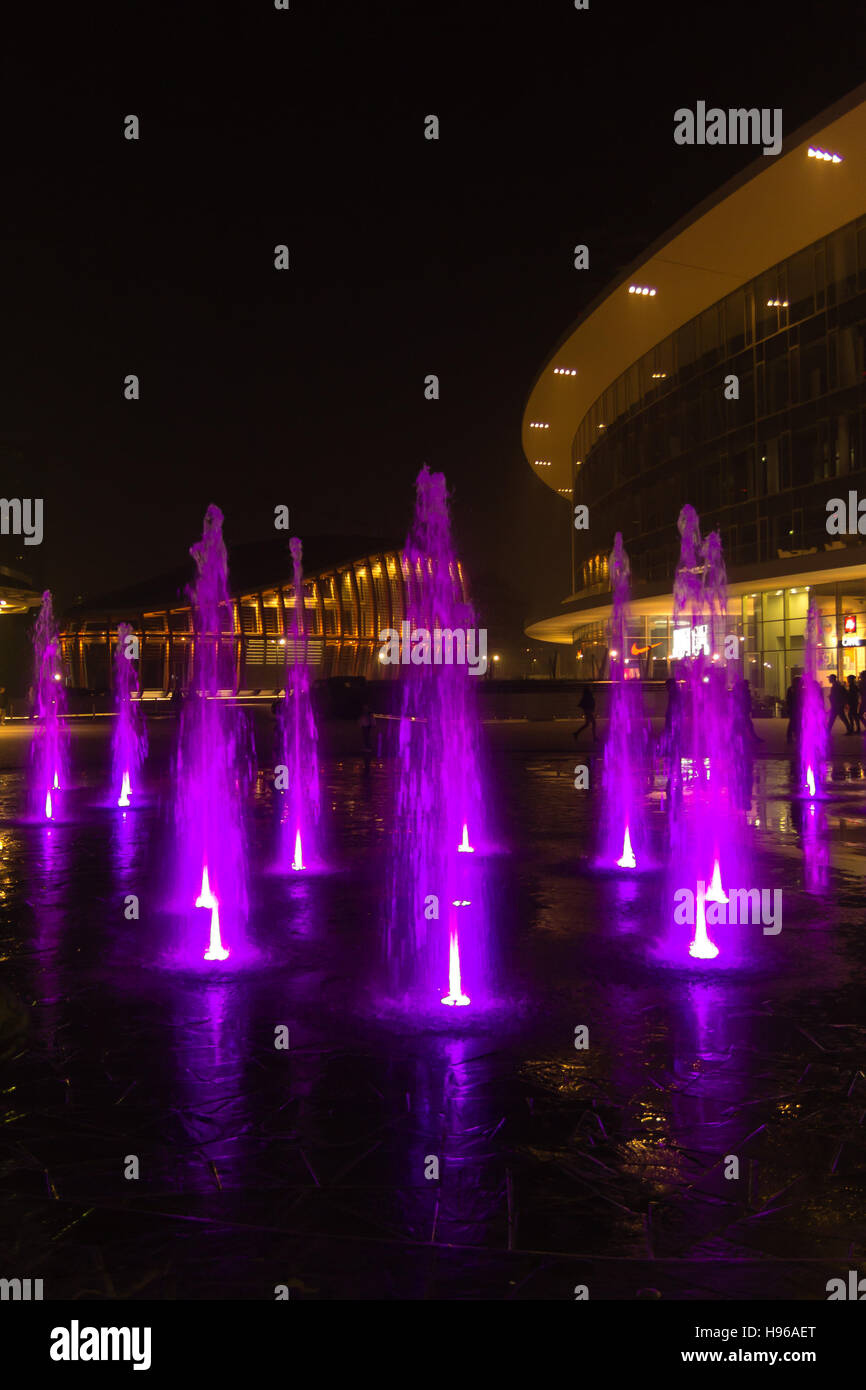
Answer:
(710, 753)
(439, 794)
(129, 744)
(298, 739)
(627, 859)
(48, 750)
(715, 892)
(214, 766)
(812, 732)
(455, 995)
(625, 748)
(702, 948)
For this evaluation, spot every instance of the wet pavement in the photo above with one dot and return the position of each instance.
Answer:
(306, 1167)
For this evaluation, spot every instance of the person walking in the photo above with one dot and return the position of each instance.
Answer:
(587, 704)
(742, 700)
(365, 723)
(838, 705)
(795, 709)
(861, 683)
(854, 706)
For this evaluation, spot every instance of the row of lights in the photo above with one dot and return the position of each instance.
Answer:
(822, 154)
(542, 463)
(659, 376)
(640, 289)
(777, 303)
(539, 425)
(565, 371)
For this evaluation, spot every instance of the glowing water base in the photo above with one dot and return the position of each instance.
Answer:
(297, 775)
(437, 939)
(214, 769)
(129, 741)
(48, 750)
(625, 749)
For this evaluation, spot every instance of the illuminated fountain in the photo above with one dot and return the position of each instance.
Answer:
(48, 750)
(298, 774)
(625, 747)
(437, 931)
(129, 744)
(812, 749)
(713, 756)
(214, 768)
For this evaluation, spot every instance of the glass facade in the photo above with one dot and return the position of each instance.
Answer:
(765, 631)
(759, 469)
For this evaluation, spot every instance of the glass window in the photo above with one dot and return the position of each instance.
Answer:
(734, 308)
(841, 265)
(687, 345)
(801, 286)
(709, 335)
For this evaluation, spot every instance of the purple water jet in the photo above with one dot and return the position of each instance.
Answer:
(214, 768)
(812, 732)
(48, 750)
(437, 938)
(711, 764)
(298, 772)
(623, 834)
(129, 744)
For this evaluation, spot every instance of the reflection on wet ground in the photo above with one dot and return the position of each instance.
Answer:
(558, 1167)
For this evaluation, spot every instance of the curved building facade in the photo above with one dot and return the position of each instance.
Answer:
(346, 605)
(743, 394)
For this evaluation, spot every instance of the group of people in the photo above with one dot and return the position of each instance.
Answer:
(741, 708)
(847, 703)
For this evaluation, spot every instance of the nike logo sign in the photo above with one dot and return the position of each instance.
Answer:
(638, 651)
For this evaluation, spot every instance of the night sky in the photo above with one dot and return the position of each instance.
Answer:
(407, 256)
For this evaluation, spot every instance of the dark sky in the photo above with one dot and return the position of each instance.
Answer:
(407, 256)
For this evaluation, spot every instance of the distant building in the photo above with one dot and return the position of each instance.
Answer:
(635, 413)
(354, 587)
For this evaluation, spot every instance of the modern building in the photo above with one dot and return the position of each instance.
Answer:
(727, 369)
(347, 603)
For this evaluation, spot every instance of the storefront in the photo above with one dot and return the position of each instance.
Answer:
(764, 635)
